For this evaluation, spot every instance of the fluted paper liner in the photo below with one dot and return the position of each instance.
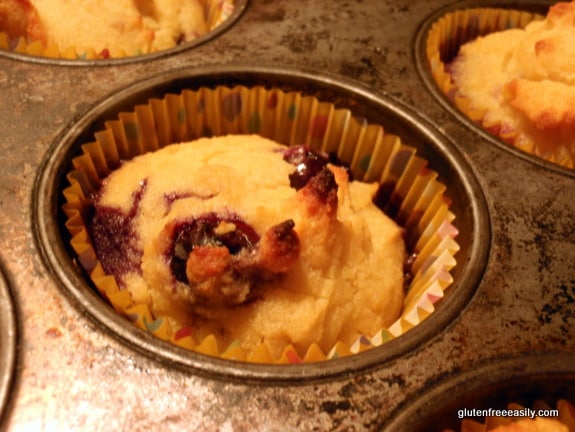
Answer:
(215, 11)
(454, 29)
(416, 198)
(566, 417)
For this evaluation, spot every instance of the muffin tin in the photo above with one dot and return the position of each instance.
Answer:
(515, 272)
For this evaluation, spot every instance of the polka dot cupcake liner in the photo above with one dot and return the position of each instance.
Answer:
(216, 12)
(444, 38)
(415, 197)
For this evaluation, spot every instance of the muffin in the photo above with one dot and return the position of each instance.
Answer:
(518, 83)
(283, 235)
(240, 237)
(103, 30)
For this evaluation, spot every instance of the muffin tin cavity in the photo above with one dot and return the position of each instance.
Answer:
(535, 381)
(437, 45)
(419, 151)
(8, 335)
(219, 16)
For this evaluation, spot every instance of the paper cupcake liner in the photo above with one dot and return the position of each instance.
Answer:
(565, 408)
(456, 28)
(416, 198)
(215, 12)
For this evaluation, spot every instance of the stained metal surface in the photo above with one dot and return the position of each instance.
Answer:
(73, 374)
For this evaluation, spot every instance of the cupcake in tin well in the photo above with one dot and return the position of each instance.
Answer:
(88, 29)
(512, 73)
(294, 264)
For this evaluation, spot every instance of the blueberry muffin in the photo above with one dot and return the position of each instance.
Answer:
(251, 241)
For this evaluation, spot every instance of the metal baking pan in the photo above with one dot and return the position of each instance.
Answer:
(75, 372)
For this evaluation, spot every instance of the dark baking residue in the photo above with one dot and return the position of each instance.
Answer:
(560, 305)
(331, 407)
